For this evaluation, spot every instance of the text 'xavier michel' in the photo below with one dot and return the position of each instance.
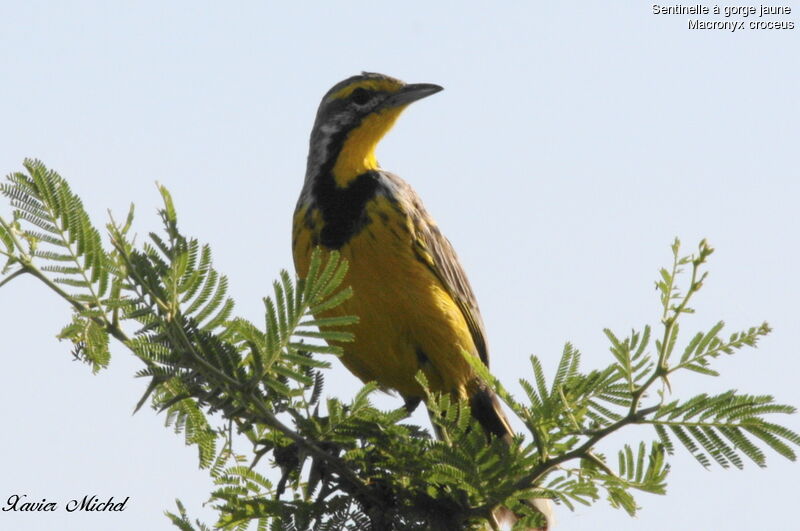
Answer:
(17, 502)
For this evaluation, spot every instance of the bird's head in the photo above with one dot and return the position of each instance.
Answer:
(353, 117)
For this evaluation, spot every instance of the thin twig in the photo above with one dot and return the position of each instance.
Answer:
(18, 272)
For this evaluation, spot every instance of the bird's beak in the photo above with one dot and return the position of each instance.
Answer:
(410, 93)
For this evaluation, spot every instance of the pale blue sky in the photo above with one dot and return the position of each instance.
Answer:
(571, 144)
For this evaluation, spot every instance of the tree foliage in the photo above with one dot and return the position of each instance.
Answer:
(226, 383)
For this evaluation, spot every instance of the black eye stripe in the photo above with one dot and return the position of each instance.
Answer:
(361, 95)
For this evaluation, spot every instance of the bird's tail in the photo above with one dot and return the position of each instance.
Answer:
(487, 411)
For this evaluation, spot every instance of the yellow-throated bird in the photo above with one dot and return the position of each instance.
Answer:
(415, 305)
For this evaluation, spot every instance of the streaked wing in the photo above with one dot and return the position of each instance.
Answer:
(437, 252)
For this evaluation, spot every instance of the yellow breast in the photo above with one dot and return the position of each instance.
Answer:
(407, 320)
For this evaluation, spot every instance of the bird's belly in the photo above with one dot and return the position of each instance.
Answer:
(407, 321)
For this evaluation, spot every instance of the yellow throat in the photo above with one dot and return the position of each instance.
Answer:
(357, 155)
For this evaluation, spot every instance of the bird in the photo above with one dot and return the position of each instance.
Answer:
(416, 308)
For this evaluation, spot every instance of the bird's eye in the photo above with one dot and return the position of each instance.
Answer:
(361, 96)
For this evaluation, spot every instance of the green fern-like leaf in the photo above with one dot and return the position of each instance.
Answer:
(717, 427)
(89, 339)
(51, 215)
